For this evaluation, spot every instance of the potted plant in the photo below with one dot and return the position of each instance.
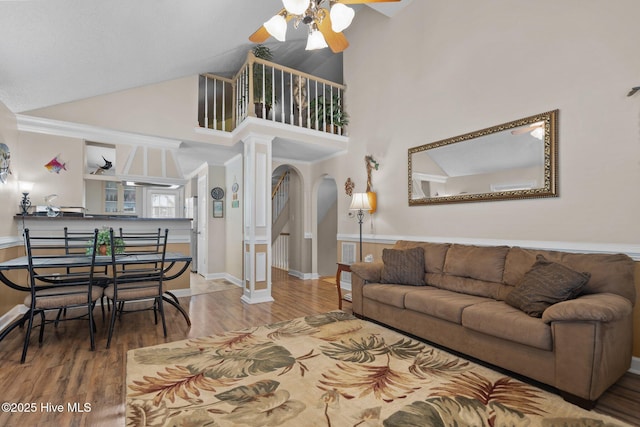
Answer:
(104, 243)
(327, 111)
(262, 78)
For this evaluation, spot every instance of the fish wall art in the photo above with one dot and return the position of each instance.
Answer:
(56, 165)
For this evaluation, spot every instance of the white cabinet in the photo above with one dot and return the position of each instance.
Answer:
(111, 198)
(119, 198)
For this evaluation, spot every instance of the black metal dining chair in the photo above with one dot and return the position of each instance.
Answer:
(138, 274)
(53, 287)
(80, 243)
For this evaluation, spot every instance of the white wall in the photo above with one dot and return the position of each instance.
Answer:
(443, 68)
(234, 216)
(9, 190)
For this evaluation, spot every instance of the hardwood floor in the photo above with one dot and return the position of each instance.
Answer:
(64, 371)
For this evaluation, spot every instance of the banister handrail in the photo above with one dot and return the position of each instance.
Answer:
(251, 58)
(277, 187)
(216, 77)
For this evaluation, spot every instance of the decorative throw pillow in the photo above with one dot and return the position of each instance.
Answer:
(545, 284)
(403, 266)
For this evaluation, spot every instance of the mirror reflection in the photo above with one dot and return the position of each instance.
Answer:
(513, 160)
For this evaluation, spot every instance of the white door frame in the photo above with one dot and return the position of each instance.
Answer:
(203, 253)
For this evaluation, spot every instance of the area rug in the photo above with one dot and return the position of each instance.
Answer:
(330, 370)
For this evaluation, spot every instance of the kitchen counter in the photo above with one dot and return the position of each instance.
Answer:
(179, 228)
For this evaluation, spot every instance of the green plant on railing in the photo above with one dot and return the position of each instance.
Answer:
(262, 80)
(103, 243)
(326, 111)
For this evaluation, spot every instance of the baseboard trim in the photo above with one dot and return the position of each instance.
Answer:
(11, 315)
(225, 276)
(635, 365)
(303, 276)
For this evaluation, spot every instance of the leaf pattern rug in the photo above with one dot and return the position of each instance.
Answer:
(330, 370)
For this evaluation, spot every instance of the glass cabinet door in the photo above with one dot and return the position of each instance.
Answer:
(119, 198)
(111, 197)
(129, 199)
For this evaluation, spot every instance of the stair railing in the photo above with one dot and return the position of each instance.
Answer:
(280, 195)
(280, 94)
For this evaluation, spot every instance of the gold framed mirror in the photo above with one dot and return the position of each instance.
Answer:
(514, 160)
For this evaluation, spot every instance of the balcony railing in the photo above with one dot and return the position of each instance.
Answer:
(272, 92)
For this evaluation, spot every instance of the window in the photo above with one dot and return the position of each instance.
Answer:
(163, 204)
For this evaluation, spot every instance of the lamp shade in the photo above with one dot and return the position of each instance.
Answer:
(277, 27)
(341, 17)
(360, 201)
(296, 7)
(316, 41)
(25, 186)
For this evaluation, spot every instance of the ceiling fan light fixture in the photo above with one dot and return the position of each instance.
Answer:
(316, 40)
(296, 7)
(341, 17)
(277, 27)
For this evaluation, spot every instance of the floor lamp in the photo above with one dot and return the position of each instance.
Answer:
(360, 203)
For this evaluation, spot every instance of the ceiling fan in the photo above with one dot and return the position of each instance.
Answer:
(325, 24)
(535, 129)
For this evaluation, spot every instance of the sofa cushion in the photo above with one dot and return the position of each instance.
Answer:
(440, 303)
(465, 285)
(434, 253)
(545, 284)
(476, 262)
(403, 266)
(388, 294)
(612, 273)
(500, 320)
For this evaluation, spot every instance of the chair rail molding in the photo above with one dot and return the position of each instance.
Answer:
(632, 250)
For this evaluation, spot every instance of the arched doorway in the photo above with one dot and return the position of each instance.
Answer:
(290, 250)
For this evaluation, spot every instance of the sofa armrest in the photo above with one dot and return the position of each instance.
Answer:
(368, 271)
(603, 307)
(362, 272)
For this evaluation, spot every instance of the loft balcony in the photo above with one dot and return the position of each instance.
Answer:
(272, 94)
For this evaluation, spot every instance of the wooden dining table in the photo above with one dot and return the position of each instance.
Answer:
(172, 259)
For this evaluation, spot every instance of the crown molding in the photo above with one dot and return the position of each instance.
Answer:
(91, 133)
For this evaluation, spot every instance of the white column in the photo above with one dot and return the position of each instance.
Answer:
(257, 219)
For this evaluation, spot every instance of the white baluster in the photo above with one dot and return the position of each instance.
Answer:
(206, 103)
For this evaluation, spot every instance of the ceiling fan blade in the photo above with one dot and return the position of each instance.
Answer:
(260, 35)
(365, 1)
(336, 41)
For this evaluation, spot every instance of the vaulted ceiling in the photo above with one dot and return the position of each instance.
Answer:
(57, 51)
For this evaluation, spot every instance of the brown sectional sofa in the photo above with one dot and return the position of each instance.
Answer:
(580, 346)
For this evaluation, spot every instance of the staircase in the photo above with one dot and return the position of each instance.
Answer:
(280, 218)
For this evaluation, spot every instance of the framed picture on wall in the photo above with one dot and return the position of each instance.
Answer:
(218, 209)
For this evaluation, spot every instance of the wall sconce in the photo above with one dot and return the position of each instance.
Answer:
(25, 203)
(360, 203)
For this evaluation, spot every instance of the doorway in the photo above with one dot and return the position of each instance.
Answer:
(327, 226)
